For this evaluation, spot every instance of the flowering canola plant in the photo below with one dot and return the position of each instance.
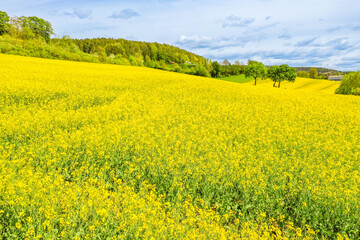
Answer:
(93, 151)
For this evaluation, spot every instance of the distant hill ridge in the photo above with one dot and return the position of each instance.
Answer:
(320, 70)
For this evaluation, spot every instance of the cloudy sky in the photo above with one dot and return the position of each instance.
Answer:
(323, 33)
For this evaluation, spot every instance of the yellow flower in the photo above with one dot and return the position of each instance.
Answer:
(18, 225)
(128, 151)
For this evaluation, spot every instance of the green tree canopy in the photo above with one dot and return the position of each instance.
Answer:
(350, 84)
(281, 73)
(256, 70)
(216, 69)
(38, 26)
(313, 73)
(303, 74)
(4, 22)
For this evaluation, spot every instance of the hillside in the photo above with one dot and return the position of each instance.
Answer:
(237, 78)
(122, 48)
(307, 84)
(109, 51)
(320, 70)
(100, 151)
(313, 85)
(303, 84)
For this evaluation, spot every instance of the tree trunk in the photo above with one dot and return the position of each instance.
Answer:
(279, 84)
(274, 84)
(255, 81)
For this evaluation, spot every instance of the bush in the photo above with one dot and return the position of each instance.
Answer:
(6, 47)
(303, 74)
(350, 84)
(202, 71)
(118, 59)
(150, 64)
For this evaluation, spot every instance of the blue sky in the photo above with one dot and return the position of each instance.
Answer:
(296, 32)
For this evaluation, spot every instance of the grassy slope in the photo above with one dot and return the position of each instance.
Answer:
(83, 145)
(238, 79)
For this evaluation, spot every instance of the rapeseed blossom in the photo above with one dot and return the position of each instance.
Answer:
(93, 151)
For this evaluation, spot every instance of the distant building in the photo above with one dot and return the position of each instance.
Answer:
(336, 78)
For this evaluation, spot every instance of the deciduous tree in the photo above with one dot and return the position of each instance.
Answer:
(4, 22)
(303, 74)
(255, 69)
(216, 69)
(313, 73)
(39, 26)
(281, 73)
(350, 84)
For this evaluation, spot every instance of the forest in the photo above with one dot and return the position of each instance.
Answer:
(31, 36)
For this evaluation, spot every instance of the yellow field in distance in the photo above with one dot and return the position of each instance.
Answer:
(305, 84)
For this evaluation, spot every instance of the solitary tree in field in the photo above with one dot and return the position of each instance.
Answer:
(281, 73)
(273, 74)
(313, 73)
(256, 70)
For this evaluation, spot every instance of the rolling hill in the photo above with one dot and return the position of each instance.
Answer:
(306, 84)
(303, 84)
(105, 151)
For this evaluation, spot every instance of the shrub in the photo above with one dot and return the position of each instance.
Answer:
(6, 47)
(350, 84)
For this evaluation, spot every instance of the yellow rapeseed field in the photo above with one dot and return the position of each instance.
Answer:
(92, 151)
(304, 84)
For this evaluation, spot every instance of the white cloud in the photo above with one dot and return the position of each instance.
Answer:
(79, 13)
(125, 14)
(234, 21)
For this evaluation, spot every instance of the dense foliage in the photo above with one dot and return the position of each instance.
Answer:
(4, 22)
(256, 70)
(303, 74)
(226, 69)
(281, 73)
(350, 84)
(99, 151)
(313, 73)
(38, 26)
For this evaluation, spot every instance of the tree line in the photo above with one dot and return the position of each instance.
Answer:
(317, 73)
(31, 36)
(226, 69)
